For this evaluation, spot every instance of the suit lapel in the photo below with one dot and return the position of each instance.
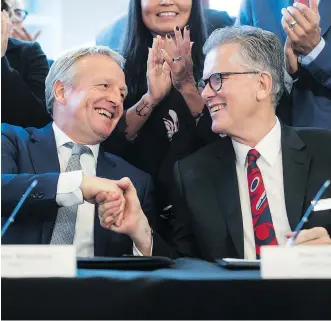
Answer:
(43, 153)
(296, 162)
(106, 169)
(44, 158)
(227, 194)
(324, 9)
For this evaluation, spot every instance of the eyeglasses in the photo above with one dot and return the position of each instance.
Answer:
(20, 14)
(215, 81)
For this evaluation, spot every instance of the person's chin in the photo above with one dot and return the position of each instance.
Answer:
(217, 128)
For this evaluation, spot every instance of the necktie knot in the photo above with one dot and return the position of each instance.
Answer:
(78, 149)
(252, 156)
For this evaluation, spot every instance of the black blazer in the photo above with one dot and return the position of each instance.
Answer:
(23, 72)
(209, 219)
(28, 154)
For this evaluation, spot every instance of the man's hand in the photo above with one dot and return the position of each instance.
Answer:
(5, 31)
(23, 34)
(315, 235)
(91, 186)
(305, 34)
(132, 221)
(291, 59)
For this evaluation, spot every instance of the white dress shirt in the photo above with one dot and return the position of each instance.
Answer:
(69, 193)
(271, 167)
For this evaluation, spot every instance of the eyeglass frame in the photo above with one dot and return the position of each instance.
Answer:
(221, 74)
(26, 12)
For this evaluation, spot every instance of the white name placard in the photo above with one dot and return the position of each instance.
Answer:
(297, 262)
(38, 261)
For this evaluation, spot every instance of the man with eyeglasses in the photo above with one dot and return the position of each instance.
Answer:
(250, 188)
(17, 17)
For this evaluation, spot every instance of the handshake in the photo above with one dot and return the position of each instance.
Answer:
(119, 209)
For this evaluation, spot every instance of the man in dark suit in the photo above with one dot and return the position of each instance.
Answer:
(85, 89)
(112, 35)
(24, 68)
(307, 49)
(250, 188)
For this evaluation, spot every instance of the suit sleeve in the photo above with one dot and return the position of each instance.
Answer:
(14, 184)
(24, 95)
(183, 239)
(245, 14)
(160, 247)
(320, 67)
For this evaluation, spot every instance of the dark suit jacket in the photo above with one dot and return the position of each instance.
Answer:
(28, 154)
(112, 36)
(23, 72)
(312, 92)
(209, 219)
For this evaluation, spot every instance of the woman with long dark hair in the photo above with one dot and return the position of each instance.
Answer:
(165, 117)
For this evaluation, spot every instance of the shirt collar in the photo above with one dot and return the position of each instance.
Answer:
(61, 138)
(269, 147)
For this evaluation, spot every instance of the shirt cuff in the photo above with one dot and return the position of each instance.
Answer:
(68, 189)
(306, 60)
(136, 252)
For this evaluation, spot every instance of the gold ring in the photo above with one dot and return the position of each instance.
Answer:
(292, 24)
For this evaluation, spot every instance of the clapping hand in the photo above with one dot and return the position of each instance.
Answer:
(177, 54)
(22, 34)
(302, 26)
(291, 58)
(158, 74)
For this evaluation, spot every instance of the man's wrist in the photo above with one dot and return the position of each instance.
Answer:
(142, 237)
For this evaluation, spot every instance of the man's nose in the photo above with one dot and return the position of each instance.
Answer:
(208, 93)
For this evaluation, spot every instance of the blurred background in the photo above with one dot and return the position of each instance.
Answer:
(66, 24)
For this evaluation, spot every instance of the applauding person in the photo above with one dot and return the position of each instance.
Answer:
(305, 33)
(165, 118)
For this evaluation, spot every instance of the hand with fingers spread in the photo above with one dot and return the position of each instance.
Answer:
(291, 58)
(158, 75)
(5, 31)
(302, 26)
(316, 235)
(177, 54)
(22, 34)
(130, 221)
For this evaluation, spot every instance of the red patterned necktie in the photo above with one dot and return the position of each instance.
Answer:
(264, 232)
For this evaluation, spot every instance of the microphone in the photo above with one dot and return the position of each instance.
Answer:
(18, 206)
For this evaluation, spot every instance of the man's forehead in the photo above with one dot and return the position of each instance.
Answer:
(221, 58)
(100, 65)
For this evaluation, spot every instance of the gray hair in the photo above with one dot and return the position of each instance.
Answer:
(63, 68)
(259, 49)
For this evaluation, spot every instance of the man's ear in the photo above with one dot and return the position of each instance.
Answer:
(59, 92)
(264, 86)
